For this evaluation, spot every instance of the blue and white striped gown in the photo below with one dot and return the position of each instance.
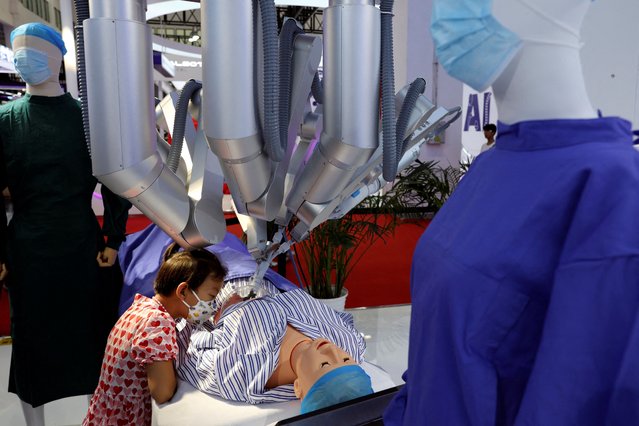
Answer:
(236, 358)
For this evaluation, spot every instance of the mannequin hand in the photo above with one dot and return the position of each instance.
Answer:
(3, 271)
(107, 257)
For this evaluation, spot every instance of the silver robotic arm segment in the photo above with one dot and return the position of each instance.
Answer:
(121, 107)
(207, 224)
(373, 183)
(307, 53)
(124, 142)
(202, 176)
(425, 122)
(310, 129)
(345, 166)
(349, 136)
(230, 116)
(255, 230)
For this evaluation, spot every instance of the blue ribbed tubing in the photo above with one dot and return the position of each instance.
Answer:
(81, 10)
(179, 125)
(287, 37)
(275, 144)
(317, 89)
(416, 88)
(390, 155)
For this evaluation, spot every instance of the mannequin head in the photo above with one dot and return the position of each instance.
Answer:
(531, 47)
(38, 52)
(326, 375)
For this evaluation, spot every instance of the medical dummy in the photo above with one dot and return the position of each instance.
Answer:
(275, 348)
(138, 362)
(525, 287)
(267, 337)
(63, 303)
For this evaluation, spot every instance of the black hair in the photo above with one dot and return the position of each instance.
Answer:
(491, 127)
(190, 266)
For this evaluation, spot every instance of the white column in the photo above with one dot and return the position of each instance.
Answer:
(418, 57)
(68, 35)
(400, 42)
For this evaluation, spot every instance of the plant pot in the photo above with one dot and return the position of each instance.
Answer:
(336, 303)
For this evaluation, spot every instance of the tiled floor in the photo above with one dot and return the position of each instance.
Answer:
(385, 330)
(64, 412)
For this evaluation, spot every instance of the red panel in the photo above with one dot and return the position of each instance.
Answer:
(382, 277)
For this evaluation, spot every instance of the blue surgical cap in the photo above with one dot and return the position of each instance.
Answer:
(45, 32)
(339, 385)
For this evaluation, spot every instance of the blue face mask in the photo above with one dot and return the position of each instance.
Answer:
(32, 65)
(470, 43)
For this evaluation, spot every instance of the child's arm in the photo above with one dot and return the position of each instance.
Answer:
(162, 380)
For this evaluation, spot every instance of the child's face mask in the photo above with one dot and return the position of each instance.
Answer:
(200, 312)
(32, 65)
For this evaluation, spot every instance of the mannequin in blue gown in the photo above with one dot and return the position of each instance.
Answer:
(525, 287)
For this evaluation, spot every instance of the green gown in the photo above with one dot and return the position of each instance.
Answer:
(62, 303)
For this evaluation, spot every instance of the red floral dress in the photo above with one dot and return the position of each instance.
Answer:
(145, 333)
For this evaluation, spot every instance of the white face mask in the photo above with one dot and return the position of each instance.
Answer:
(32, 65)
(200, 312)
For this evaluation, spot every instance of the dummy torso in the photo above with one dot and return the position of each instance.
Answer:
(236, 360)
(525, 287)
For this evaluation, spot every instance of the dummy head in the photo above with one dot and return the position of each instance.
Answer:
(191, 279)
(38, 52)
(528, 50)
(326, 375)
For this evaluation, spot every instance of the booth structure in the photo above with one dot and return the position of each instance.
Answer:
(310, 161)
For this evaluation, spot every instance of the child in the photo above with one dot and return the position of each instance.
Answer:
(138, 362)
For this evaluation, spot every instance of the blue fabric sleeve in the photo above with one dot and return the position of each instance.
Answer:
(586, 368)
(394, 413)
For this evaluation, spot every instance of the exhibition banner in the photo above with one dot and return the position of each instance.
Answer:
(478, 109)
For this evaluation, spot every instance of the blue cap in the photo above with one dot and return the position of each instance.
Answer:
(45, 32)
(339, 385)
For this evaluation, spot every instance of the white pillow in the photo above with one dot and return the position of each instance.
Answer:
(189, 406)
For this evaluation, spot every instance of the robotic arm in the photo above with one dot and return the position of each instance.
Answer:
(275, 172)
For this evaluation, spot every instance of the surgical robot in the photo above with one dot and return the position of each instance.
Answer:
(294, 149)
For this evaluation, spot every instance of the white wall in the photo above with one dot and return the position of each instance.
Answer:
(610, 61)
(415, 59)
(610, 57)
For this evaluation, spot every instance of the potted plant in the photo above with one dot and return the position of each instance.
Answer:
(327, 257)
(422, 188)
(325, 260)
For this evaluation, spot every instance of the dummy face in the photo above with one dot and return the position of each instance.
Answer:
(52, 53)
(316, 359)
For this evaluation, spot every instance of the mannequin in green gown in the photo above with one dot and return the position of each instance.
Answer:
(55, 259)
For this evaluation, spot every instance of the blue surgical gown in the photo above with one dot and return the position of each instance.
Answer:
(525, 287)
